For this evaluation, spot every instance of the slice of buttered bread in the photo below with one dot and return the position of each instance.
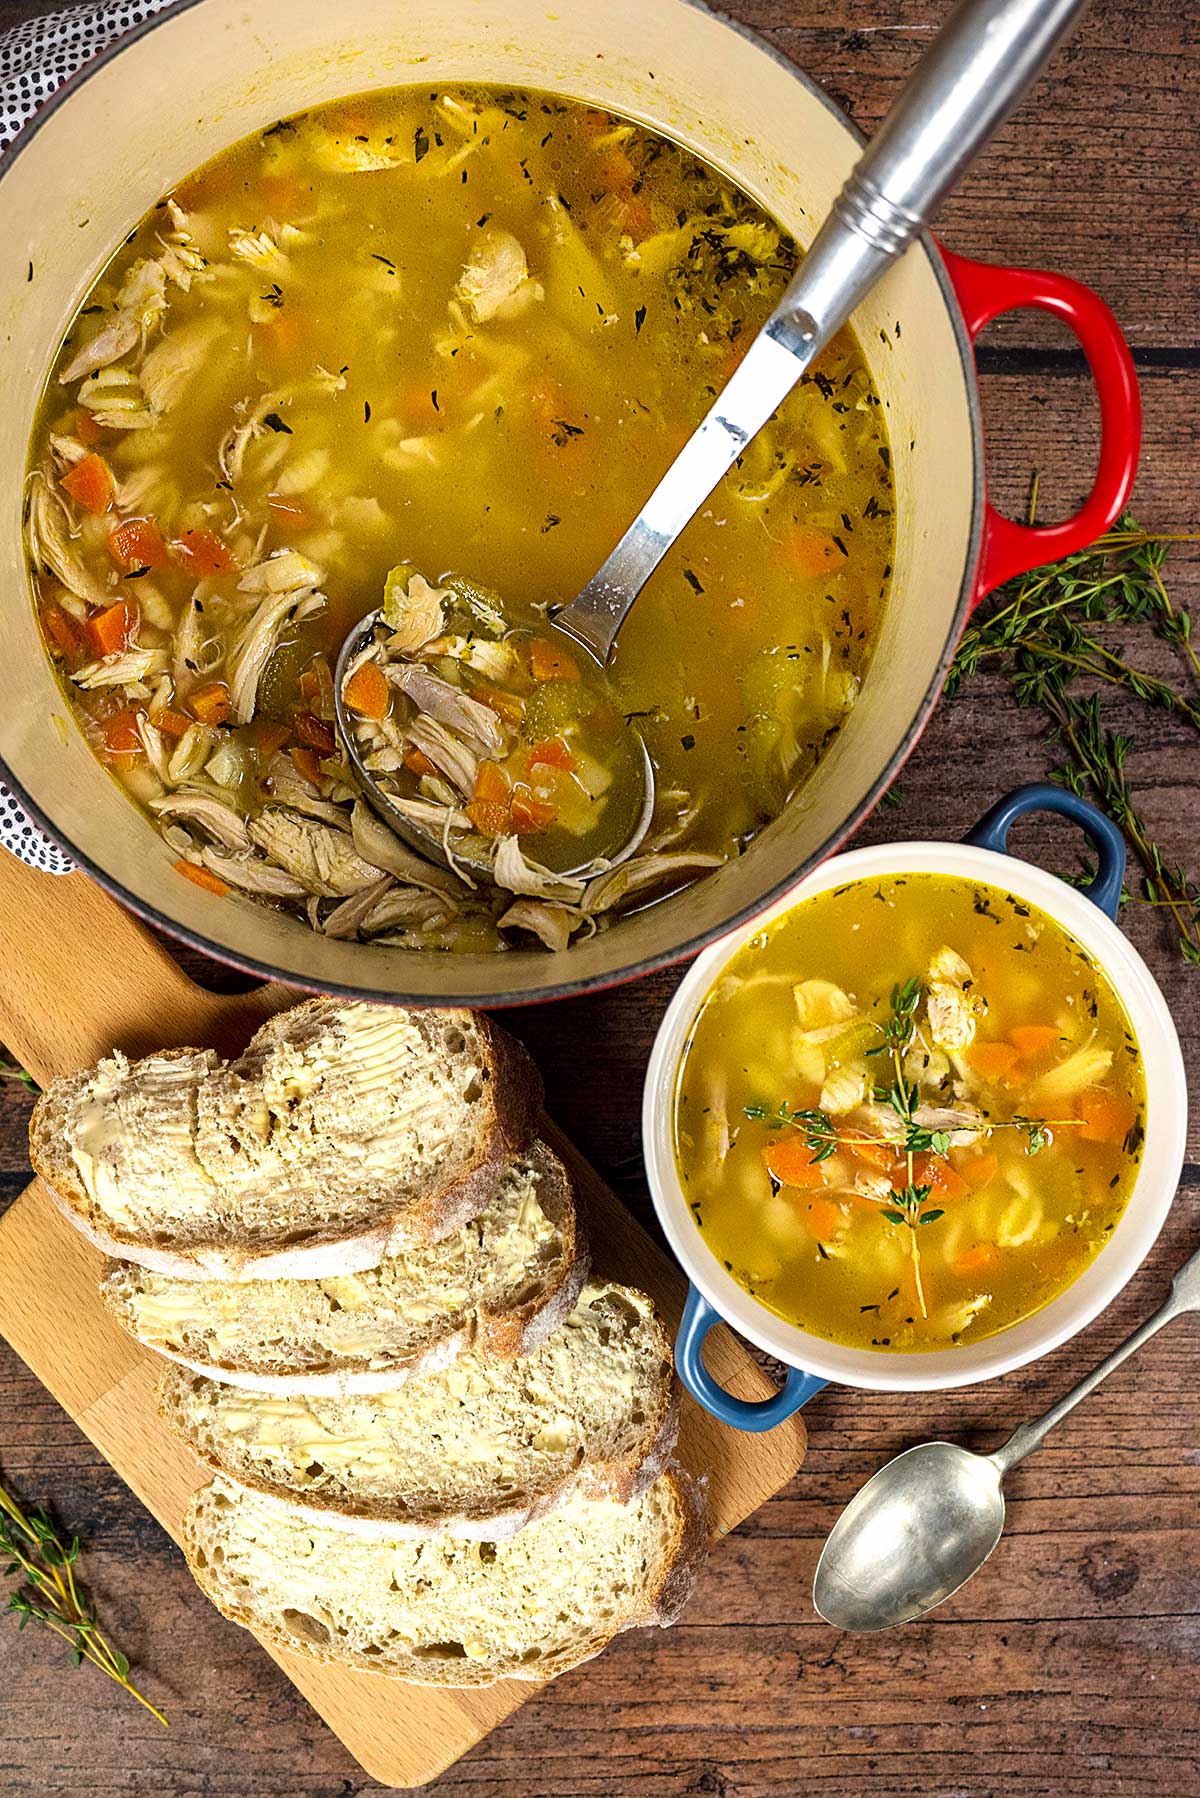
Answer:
(344, 1133)
(444, 1611)
(501, 1284)
(479, 1449)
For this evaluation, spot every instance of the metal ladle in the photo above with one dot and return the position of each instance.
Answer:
(925, 1523)
(974, 74)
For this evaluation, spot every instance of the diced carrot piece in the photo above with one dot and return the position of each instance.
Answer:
(171, 722)
(554, 412)
(812, 552)
(203, 877)
(1106, 1117)
(137, 543)
(508, 706)
(61, 630)
(613, 170)
(203, 553)
(975, 1260)
(281, 194)
(875, 1155)
(121, 733)
(594, 122)
(635, 218)
(980, 1170)
(548, 662)
(1031, 1039)
(315, 732)
(109, 631)
(283, 331)
(419, 410)
(289, 511)
(529, 813)
(367, 691)
(419, 763)
(935, 1171)
(491, 817)
(90, 484)
(307, 765)
(85, 429)
(491, 784)
(790, 1160)
(211, 704)
(268, 736)
(993, 1060)
(823, 1218)
(552, 754)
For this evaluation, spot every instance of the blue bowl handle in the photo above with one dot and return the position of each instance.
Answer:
(992, 830)
(698, 1319)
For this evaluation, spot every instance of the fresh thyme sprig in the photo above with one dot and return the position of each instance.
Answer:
(9, 1070)
(897, 1028)
(47, 1592)
(823, 1137)
(1039, 632)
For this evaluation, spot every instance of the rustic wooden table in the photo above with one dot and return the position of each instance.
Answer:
(1070, 1666)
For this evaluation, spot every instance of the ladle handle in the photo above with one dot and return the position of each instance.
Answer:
(1184, 1296)
(976, 72)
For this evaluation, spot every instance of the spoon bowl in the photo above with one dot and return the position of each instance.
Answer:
(915, 1533)
(930, 1518)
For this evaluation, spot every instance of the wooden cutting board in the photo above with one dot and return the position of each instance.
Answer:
(80, 977)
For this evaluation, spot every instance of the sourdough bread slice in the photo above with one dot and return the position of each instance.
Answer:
(501, 1284)
(343, 1134)
(479, 1449)
(448, 1612)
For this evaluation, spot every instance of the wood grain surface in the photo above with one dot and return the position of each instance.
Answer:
(1071, 1667)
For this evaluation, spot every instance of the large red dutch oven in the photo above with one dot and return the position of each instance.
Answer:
(196, 78)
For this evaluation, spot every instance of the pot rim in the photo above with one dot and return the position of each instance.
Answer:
(1092, 1291)
(666, 958)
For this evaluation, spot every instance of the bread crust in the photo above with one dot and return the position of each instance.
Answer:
(620, 1480)
(514, 1098)
(662, 1607)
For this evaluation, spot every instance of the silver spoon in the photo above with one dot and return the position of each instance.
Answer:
(929, 1519)
(974, 74)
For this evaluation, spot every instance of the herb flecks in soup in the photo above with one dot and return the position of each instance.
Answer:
(464, 330)
(910, 1113)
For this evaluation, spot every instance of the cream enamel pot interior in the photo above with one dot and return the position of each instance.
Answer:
(814, 1362)
(197, 78)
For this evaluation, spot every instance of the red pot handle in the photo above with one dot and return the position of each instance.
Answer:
(984, 291)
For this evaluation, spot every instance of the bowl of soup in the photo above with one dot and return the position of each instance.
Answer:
(918, 1123)
(361, 310)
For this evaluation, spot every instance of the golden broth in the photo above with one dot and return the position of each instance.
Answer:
(910, 1113)
(306, 370)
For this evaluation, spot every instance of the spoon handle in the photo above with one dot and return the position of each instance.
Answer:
(1184, 1296)
(977, 70)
